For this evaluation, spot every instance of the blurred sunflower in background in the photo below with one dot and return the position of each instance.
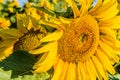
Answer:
(31, 11)
(83, 47)
(1, 1)
(4, 23)
(8, 10)
(13, 4)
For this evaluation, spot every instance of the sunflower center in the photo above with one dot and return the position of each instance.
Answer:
(29, 41)
(80, 40)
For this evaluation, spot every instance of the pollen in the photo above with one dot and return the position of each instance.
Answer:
(80, 40)
(29, 41)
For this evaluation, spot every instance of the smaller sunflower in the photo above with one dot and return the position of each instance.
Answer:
(25, 37)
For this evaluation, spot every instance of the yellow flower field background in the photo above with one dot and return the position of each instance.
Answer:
(60, 40)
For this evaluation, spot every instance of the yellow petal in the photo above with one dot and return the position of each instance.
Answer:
(79, 74)
(115, 26)
(52, 37)
(44, 56)
(83, 8)
(55, 20)
(74, 7)
(109, 22)
(22, 22)
(108, 40)
(106, 49)
(60, 70)
(117, 44)
(46, 64)
(91, 70)
(108, 31)
(9, 50)
(7, 42)
(44, 68)
(105, 61)
(82, 69)
(45, 48)
(65, 20)
(5, 52)
(98, 4)
(105, 1)
(65, 67)
(99, 68)
(56, 62)
(106, 14)
(89, 3)
(51, 24)
(105, 7)
(86, 3)
(109, 52)
(10, 34)
(61, 22)
(51, 57)
(71, 73)
(117, 53)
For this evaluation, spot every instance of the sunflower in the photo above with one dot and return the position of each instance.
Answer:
(1, 1)
(25, 37)
(4, 23)
(84, 47)
(47, 4)
(29, 10)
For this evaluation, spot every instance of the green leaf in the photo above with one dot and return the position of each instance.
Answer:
(59, 7)
(117, 76)
(114, 77)
(13, 19)
(42, 76)
(4, 75)
(117, 67)
(20, 63)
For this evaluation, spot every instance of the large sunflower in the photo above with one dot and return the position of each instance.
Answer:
(85, 47)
